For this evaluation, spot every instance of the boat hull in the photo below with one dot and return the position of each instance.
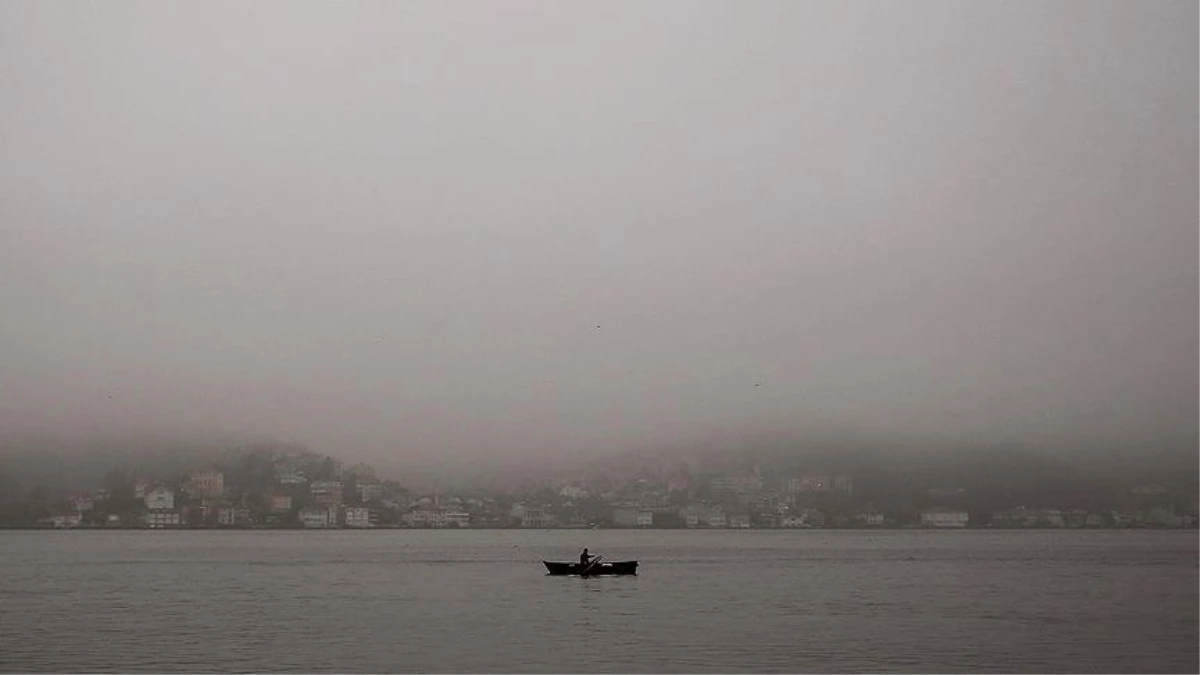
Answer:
(562, 569)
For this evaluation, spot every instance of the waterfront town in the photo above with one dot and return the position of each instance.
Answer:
(303, 489)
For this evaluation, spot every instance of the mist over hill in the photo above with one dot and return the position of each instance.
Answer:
(993, 472)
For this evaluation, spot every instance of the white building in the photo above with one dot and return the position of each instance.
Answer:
(456, 518)
(870, 518)
(67, 521)
(645, 518)
(437, 518)
(942, 517)
(159, 519)
(160, 499)
(319, 518)
(231, 516)
(538, 518)
(358, 517)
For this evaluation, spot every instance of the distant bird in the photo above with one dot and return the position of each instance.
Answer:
(758, 384)
(597, 326)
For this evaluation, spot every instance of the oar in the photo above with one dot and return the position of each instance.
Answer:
(590, 565)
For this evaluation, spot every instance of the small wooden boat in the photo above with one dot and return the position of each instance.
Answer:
(627, 567)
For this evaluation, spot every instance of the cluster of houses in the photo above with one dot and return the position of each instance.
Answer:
(743, 500)
(202, 500)
(356, 499)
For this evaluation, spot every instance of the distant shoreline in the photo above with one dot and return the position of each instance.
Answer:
(1165, 528)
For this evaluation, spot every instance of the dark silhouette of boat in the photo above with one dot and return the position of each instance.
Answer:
(623, 568)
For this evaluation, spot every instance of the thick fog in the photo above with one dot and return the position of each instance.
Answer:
(396, 231)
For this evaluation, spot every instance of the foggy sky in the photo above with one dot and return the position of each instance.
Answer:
(401, 230)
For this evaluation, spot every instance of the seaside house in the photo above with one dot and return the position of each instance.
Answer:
(358, 517)
(941, 517)
(159, 499)
(321, 518)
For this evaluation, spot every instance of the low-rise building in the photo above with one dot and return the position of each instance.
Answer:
(944, 518)
(868, 518)
(538, 518)
(228, 516)
(68, 520)
(159, 499)
(437, 518)
(157, 520)
(323, 518)
(359, 517)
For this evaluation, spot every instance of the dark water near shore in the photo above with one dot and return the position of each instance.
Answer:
(469, 601)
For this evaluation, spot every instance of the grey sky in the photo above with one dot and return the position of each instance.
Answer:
(395, 230)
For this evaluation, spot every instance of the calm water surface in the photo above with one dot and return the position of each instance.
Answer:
(470, 601)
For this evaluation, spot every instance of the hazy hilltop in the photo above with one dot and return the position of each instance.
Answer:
(77, 464)
(995, 472)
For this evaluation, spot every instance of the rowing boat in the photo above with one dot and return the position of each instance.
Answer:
(626, 567)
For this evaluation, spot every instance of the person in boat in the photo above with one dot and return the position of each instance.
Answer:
(584, 558)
